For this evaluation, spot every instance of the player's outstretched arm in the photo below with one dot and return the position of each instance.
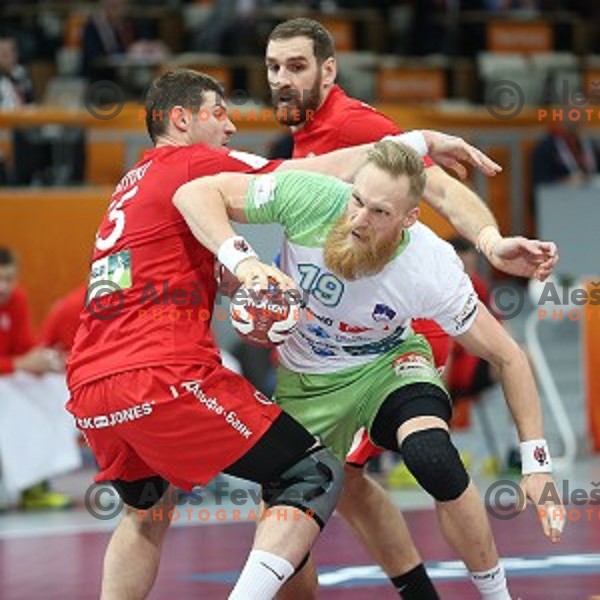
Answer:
(207, 204)
(473, 220)
(487, 339)
(518, 255)
(448, 150)
(460, 205)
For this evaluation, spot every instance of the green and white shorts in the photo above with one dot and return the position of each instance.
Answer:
(334, 406)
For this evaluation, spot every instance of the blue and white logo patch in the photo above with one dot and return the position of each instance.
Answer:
(382, 312)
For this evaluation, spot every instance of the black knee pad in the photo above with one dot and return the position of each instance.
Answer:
(404, 404)
(142, 494)
(434, 461)
(312, 484)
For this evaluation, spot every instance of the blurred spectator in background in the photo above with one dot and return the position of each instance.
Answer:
(17, 341)
(19, 353)
(231, 29)
(565, 155)
(431, 33)
(112, 33)
(107, 33)
(16, 88)
(61, 323)
(524, 6)
(35, 149)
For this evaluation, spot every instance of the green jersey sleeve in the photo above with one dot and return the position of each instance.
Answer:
(302, 202)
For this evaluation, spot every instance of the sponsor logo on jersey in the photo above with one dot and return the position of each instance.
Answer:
(413, 364)
(378, 346)
(213, 405)
(311, 316)
(468, 310)
(382, 312)
(318, 347)
(345, 328)
(133, 413)
(351, 338)
(114, 268)
(318, 331)
(321, 350)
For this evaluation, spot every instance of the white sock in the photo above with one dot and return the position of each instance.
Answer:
(491, 584)
(262, 576)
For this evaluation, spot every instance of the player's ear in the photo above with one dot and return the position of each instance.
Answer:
(411, 217)
(180, 117)
(329, 72)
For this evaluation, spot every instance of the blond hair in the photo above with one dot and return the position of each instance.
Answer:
(398, 159)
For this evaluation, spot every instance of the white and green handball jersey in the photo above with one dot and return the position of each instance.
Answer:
(350, 323)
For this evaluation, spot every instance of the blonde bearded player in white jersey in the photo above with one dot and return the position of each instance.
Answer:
(301, 68)
(369, 265)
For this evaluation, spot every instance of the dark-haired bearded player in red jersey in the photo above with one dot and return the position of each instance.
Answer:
(147, 386)
(301, 71)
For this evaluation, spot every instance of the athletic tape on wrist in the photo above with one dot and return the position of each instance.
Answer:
(233, 251)
(535, 457)
(487, 239)
(415, 139)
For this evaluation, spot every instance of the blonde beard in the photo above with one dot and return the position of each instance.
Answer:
(353, 260)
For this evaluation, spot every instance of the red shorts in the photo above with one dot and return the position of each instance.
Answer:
(182, 423)
(363, 448)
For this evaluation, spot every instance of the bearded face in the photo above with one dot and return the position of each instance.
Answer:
(293, 105)
(354, 252)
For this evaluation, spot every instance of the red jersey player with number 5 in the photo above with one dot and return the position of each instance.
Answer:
(150, 393)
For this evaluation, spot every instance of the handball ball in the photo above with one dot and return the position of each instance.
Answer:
(264, 318)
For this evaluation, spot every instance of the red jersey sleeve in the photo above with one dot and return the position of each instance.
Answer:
(481, 288)
(370, 126)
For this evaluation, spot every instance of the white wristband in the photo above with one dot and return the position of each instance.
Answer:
(415, 139)
(535, 457)
(233, 251)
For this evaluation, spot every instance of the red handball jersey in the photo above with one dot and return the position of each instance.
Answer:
(341, 122)
(152, 286)
(16, 330)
